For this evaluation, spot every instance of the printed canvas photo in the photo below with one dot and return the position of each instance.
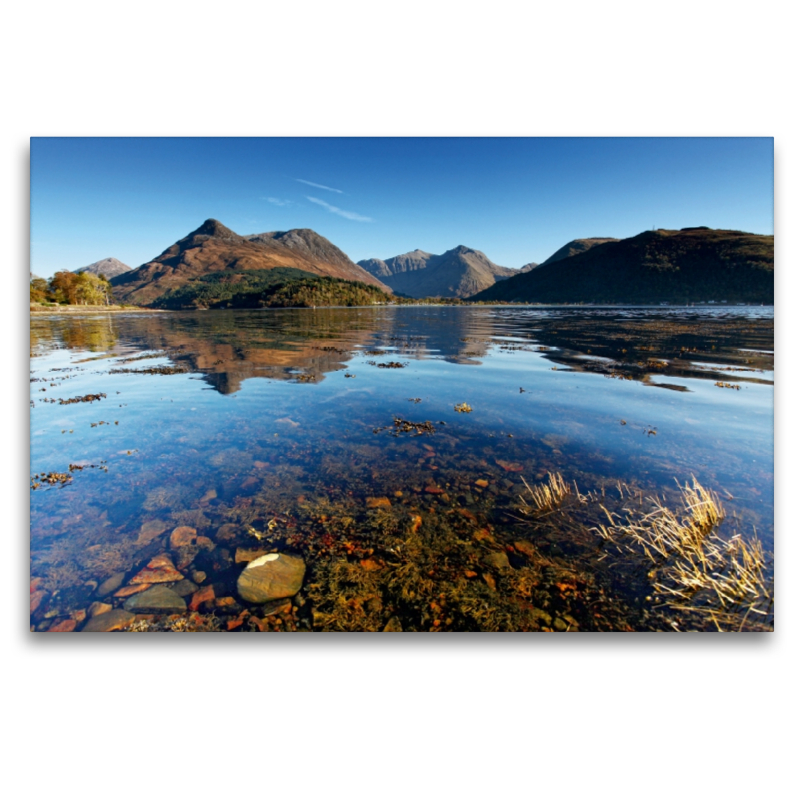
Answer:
(287, 385)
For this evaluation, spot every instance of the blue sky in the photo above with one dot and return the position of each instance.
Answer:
(516, 199)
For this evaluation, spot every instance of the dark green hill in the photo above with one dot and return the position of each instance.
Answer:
(278, 287)
(687, 266)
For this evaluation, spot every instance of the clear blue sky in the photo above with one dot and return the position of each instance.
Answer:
(518, 200)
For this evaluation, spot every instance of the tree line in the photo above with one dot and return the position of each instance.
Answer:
(71, 288)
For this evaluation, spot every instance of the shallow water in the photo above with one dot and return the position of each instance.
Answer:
(283, 425)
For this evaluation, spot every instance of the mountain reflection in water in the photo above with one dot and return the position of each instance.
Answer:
(311, 450)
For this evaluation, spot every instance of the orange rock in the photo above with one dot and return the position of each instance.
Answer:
(235, 623)
(398, 493)
(159, 570)
(378, 502)
(36, 599)
(482, 483)
(483, 535)
(65, 626)
(526, 548)
(260, 464)
(99, 608)
(371, 565)
(470, 573)
(434, 490)
(35, 584)
(201, 596)
(127, 591)
(490, 581)
(225, 601)
(508, 466)
(182, 536)
(416, 522)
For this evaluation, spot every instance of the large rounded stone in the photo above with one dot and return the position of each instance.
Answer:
(156, 600)
(271, 577)
(114, 620)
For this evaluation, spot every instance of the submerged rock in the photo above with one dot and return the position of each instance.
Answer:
(271, 577)
(115, 620)
(184, 588)
(159, 570)
(111, 585)
(97, 608)
(156, 600)
(393, 626)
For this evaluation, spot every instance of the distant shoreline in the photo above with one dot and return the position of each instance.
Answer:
(59, 309)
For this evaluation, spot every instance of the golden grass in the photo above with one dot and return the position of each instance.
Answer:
(545, 496)
(723, 580)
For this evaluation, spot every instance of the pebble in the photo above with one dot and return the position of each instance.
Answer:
(182, 536)
(482, 483)
(111, 585)
(271, 577)
(65, 626)
(379, 502)
(115, 620)
(206, 594)
(393, 626)
(526, 548)
(198, 576)
(497, 560)
(127, 591)
(99, 608)
(156, 600)
(150, 530)
(159, 570)
(184, 588)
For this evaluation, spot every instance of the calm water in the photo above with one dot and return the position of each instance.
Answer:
(280, 435)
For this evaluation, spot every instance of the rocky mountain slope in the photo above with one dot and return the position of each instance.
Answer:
(213, 248)
(686, 266)
(110, 267)
(459, 272)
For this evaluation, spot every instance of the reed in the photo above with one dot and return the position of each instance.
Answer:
(724, 580)
(546, 496)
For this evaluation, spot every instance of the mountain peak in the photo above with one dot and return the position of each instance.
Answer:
(213, 227)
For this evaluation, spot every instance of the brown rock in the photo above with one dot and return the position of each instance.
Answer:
(185, 555)
(526, 548)
(379, 502)
(65, 626)
(127, 591)
(198, 576)
(204, 543)
(223, 602)
(434, 490)
(35, 584)
(150, 530)
(416, 521)
(371, 565)
(209, 495)
(490, 581)
(182, 536)
(497, 560)
(271, 577)
(79, 615)
(482, 483)
(206, 594)
(159, 570)
(244, 555)
(277, 607)
(393, 626)
(99, 608)
(157, 599)
(110, 585)
(470, 573)
(114, 620)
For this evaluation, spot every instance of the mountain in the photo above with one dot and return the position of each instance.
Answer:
(527, 268)
(574, 247)
(689, 265)
(459, 272)
(110, 267)
(213, 248)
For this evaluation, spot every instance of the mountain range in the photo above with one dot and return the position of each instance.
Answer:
(459, 272)
(689, 265)
(212, 248)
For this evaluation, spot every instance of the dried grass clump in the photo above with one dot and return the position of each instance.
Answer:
(546, 496)
(696, 570)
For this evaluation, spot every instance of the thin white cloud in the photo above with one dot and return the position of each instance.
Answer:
(319, 186)
(341, 212)
(277, 201)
